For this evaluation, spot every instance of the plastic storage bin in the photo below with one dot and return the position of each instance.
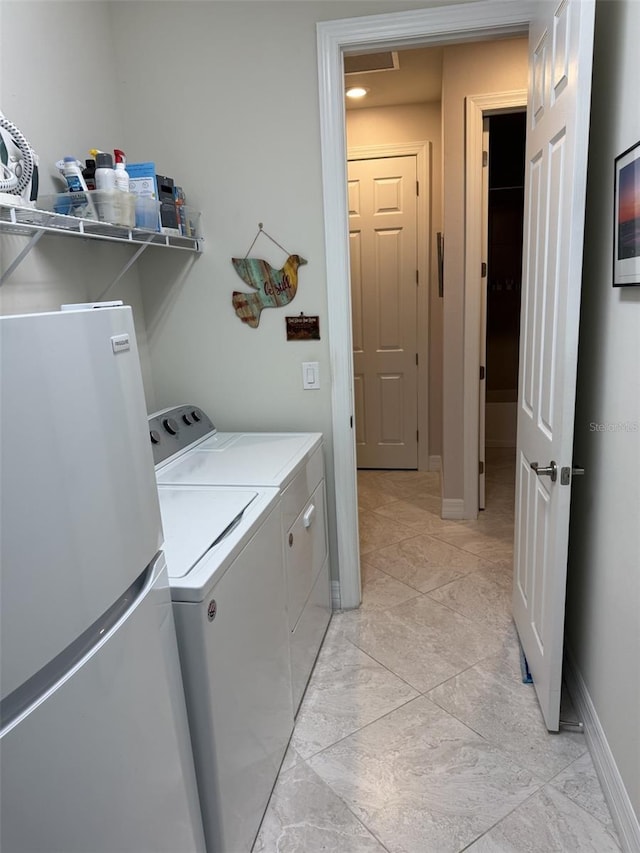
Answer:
(113, 206)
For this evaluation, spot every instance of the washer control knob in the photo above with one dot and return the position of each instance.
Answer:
(187, 418)
(170, 425)
(195, 414)
(155, 436)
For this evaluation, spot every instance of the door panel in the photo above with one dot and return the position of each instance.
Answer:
(383, 253)
(560, 46)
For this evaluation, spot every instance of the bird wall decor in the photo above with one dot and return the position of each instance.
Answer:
(274, 288)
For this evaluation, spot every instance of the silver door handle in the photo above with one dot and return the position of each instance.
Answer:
(567, 475)
(550, 471)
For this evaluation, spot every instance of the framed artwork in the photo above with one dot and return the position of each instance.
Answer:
(626, 218)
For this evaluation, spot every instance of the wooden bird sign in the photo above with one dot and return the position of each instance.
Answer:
(274, 288)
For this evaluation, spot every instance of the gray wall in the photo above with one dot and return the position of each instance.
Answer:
(603, 595)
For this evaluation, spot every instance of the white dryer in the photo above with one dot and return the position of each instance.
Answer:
(291, 462)
(224, 556)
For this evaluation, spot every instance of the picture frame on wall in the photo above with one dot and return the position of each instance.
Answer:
(626, 218)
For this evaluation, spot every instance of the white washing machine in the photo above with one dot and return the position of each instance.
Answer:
(224, 556)
(291, 462)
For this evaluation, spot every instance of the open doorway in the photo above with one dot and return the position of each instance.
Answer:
(393, 180)
(505, 135)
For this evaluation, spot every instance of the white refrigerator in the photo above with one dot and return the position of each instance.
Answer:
(95, 754)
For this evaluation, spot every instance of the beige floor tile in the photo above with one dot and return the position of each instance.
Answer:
(495, 703)
(482, 596)
(417, 513)
(547, 823)
(580, 783)
(305, 816)
(422, 781)
(421, 641)
(348, 690)
(380, 591)
(376, 531)
(425, 562)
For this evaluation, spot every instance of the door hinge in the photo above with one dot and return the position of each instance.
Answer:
(418, 277)
(481, 467)
(483, 270)
(417, 435)
(417, 187)
(481, 372)
(485, 159)
(416, 358)
(351, 421)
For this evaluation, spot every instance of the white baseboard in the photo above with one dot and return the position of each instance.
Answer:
(622, 812)
(452, 508)
(435, 463)
(335, 595)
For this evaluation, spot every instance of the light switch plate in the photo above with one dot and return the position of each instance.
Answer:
(310, 375)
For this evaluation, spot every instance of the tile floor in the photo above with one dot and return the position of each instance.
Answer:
(416, 733)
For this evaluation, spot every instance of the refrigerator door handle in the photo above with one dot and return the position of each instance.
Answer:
(29, 694)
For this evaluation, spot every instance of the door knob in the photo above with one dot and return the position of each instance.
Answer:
(550, 471)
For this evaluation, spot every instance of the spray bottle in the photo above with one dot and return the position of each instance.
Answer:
(122, 177)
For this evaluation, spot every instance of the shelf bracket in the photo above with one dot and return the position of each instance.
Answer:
(126, 267)
(21, 256)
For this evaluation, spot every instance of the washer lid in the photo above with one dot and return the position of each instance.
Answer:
(194, 520)
(242, 459)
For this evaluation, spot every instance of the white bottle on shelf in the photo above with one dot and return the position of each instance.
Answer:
(105, 174)
(122, 176)
(73, 175)
(105, 188)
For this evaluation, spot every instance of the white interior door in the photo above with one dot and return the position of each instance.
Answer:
(561, 46)
(383, 258)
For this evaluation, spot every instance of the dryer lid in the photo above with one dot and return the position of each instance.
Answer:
(194, 520)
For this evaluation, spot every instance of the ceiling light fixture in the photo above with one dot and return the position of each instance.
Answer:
(356, 92)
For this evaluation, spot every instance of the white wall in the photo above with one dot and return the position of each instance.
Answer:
(603, 595)
(224, 98)
(57, 84)
(470, 69)
(414, 123)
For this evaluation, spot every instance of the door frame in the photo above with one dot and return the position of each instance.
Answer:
(422, 152)
(478, 107)
(484, 19)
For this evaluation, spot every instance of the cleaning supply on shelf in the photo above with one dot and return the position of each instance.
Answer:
(105, 174)
(122, 176)
(89, 174)
(78, 201)
(106, 187)
(71, 171)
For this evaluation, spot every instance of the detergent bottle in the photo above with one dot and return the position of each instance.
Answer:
(72, 174)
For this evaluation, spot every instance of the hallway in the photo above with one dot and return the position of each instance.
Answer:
(416, 734)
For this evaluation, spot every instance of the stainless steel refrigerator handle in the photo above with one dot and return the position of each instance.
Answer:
(550, 471)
